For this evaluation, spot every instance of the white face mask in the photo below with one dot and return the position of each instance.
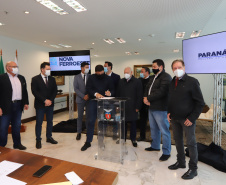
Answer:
(86, 70)
(127, 76)
(15, 70)
(179, 73)
(47, 73)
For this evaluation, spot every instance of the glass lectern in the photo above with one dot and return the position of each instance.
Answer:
(111, 126)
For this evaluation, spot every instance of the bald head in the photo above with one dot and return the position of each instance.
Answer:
(128, 70)
(9, 67)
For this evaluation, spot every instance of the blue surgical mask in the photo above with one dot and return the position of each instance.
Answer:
(105, 69)
(142, 75)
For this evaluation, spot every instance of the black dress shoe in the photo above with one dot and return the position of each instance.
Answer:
(141, 139)
(151, 149)
(20, 147)
(134, 143)
(51, 140)
(38, 144)
(164, 157)
(176, 166)
(85, 146)
(78, 136)
(190, 174)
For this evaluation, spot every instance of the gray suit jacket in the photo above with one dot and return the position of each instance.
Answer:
(80, 88)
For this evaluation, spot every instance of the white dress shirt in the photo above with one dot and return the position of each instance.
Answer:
(44, 78)
(16, 87)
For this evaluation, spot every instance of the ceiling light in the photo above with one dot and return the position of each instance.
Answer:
(93, 43)
(75, 5)
(152, 35)
(55, 46)
(44, 40)
(176, 50)
(109, 41)
(195, 33)
(180, 35)
(1, 24)
(136, 53)
(120, 40)
(128, 53)
(139, 39)
(26, 12)
(65, 46)
(96, 55)
(52, 6)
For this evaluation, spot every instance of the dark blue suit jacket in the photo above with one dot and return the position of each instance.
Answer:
(115, 79)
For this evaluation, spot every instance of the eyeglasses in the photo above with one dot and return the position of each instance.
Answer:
(14, 66)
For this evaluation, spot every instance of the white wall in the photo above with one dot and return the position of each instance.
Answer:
(30, 56)
(119, 63)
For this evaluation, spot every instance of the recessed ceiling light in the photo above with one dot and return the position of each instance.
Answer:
(120, 40)
(1, 24)
(176, 50)
(139, 39)
(55, 46)
(109, 41)
(44, 40)
(65, 46)
(195, 33)
(26, 12)
(136, 53)
(52, 6)
(75, 5)
(93, 43)
(180, 35)
(96, 55)
(128, 53)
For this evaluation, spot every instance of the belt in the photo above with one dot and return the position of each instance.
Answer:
(16, 101)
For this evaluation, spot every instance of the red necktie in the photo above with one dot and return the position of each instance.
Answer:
(176, 82)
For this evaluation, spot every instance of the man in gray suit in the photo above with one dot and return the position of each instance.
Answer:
(81, 96)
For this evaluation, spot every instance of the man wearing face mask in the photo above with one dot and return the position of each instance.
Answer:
(81, 95)
(185, 105)
(108, 71)
(144, 77)
(13, 100)
(44, 89)
(156, 96)
(99, 85)
(131, 88)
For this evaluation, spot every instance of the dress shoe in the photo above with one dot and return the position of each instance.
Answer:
(151, 149)
(51, 140)
(141, 139)
(176, 166)
(85, 146)
(38, 144)
(134, 143)
(20, 147)
(115, 137)
(164, 157)
(190, 174)
(78, 136)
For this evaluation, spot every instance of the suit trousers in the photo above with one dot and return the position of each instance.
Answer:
(39, 120)
(143, 121)
(91, 119)
(178, 127)
(14, 117)
(81, 107)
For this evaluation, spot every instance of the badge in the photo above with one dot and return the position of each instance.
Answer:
(107, 114)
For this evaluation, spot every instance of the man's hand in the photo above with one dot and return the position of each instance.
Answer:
(48, 103)
(107, 93)
(86, 97)
(0, 112)
(168, 117)
(99, 96)
(26, 107)
(187, 123)
(145, 100)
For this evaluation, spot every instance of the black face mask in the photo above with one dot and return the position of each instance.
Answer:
(100, 76)
(155, 71)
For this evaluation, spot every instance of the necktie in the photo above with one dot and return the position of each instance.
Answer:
(46, 81)
(84, 79)
(176, 82)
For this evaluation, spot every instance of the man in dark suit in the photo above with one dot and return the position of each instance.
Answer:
(98, 86)
(44, 89)
(13, 99)
(131, 88)
(108, 71)
(81, 95)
